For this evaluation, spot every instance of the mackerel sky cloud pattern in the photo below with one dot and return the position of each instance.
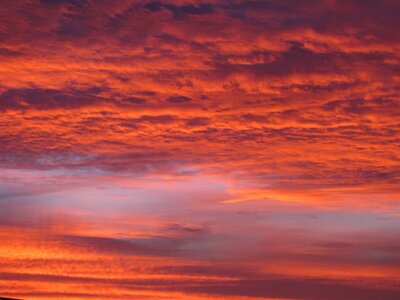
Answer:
(200, 150)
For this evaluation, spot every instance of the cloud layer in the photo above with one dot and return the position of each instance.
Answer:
(214, 125)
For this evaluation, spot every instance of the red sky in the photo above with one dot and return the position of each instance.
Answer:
(200, 150)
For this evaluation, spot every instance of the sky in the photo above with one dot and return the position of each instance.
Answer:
(198, 150)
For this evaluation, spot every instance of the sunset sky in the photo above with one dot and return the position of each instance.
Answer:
(197, 150)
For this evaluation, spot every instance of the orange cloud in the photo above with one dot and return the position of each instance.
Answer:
(199, 150)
